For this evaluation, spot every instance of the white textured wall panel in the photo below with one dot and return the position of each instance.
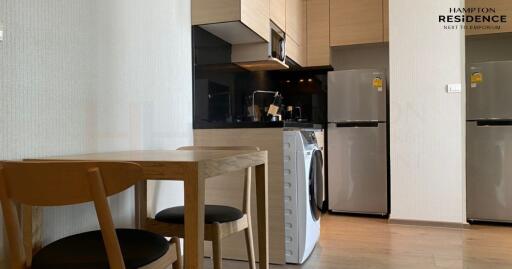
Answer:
(427, 124)
(83, 76)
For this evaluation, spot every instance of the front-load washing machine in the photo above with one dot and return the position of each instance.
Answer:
(303, 193)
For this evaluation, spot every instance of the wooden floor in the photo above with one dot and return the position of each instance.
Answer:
(353, 242)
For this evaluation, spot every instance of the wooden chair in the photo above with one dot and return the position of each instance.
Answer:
(66, 183)
(220, 221)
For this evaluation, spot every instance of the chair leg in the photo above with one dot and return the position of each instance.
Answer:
(250, 245)
(177, 264)
(217, 248)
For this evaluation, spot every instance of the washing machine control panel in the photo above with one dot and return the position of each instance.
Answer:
(309, 137)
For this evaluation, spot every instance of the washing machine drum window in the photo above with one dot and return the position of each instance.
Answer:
(316, 184)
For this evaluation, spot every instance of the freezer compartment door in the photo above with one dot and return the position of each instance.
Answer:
(489, 90)
(358, 169)
(356, 95)
(489, 172)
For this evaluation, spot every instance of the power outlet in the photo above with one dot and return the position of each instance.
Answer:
(454, 88)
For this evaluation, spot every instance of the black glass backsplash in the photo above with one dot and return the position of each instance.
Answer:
(222, 90)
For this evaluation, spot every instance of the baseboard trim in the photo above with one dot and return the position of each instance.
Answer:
(438, 224)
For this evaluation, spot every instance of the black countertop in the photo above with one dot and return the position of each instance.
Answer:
(248, 124)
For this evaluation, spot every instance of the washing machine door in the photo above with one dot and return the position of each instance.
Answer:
(316, 184)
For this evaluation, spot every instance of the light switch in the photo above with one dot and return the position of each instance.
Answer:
(454, 88)
(1, 32)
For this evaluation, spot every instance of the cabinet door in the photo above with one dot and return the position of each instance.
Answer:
(278, 13)
(356, 22)
(255, 14)
(385, 15)
(295, 19)
(207, 11)
(503, 7)
(296, 30)
(318, 50)
(295, 52)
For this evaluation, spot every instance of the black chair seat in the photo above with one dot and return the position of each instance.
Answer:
(87, 250)
(213, 213)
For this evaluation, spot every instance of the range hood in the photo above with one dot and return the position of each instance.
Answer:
(250, 52)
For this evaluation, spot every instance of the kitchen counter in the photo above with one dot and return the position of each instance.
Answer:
(236, 125)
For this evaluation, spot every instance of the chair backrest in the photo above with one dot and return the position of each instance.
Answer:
(64, 183)
(248, 172)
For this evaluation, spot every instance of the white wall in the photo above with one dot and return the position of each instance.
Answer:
(89, 76)
(427, 124)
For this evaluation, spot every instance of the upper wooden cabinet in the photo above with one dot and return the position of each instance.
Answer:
(278, 13)
(223, 17)
(356, 22)
(296, 43)
(311, 26)
(503, 7)
(296, 52)
(318, 49)
(295, 19)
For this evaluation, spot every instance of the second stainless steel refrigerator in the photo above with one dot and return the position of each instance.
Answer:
(357, 142)
(489, 141)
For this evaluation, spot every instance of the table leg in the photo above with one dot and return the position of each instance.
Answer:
(194, 220)
(141, 206)
(262, 205)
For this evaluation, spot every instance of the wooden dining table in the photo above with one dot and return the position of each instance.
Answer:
(193, 167)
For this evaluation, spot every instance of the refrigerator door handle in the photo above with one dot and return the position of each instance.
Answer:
(484, 123)
(357, 124)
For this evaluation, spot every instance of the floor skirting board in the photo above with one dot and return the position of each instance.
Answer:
(430, 223)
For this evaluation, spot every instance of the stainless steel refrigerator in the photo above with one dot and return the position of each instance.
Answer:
(357, 142)
(489, 141)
